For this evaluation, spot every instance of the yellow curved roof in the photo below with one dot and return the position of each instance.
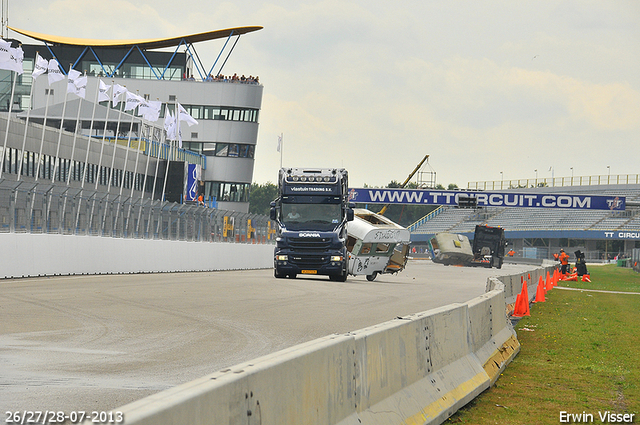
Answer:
(148, 44)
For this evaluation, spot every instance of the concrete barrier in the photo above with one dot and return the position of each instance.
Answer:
(415, 369)
(311, 383)
(513, 283)
(26, 254)
(418, 369)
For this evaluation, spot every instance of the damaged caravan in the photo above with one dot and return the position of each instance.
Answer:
(376, 245)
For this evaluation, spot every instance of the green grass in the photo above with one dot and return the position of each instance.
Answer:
(580, 352)
(609, 278)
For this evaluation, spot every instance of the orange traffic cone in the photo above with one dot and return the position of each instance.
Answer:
(586, 278)
(548, 284)
(540, 291)
(522, 303)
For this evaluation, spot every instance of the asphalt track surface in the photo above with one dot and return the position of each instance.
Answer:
(95, 343)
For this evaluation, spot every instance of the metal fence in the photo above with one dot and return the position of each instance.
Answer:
(598, 180)
(46, 208)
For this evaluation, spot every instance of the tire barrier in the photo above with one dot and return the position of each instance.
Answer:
(416, 369)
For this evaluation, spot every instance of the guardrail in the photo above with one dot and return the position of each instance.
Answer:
(49, 209)
(415, 369)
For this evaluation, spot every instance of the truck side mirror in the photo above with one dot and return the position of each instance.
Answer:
(350, 214)
(272, 212)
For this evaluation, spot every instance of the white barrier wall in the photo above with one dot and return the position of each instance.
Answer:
(26, 254)
(417, 369)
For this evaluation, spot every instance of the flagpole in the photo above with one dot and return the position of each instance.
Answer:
(86, 159)
(164, 180)
(6, 133)
(135, 168)
(75, 138)
(73, 150)
(166, 171)
(281, 147)
(146, 167)
(124, 169)
(64, 108)
(104, 137)
(26, 125)
(113, 160)
(155, 177)
(44, 127)
(144, 180)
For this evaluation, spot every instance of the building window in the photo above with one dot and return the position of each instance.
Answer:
(227, 192)
(234, 150)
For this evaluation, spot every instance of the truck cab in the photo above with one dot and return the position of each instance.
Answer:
(488, 246)
(312, 211)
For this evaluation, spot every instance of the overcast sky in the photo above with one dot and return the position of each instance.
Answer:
(488, 89)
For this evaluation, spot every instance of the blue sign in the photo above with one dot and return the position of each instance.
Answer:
(193, 174)
(487, 199)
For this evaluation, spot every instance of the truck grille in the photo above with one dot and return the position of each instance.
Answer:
(309, 260)
(310, 252)
(310, 244)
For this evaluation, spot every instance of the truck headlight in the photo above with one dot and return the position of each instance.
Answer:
(282, 257)
(336, 258)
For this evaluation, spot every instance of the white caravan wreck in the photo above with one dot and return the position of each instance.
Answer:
(376, 245)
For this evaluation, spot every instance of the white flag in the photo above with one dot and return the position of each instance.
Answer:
(40, 66)
(54, 72)
(5, 54)
(75, 83)
(103, 96)
(116, 92)
(150, 110)
(184, 116)
(132, 101)
(81, 86)
(170, 125)
(279, 142)
(14, 61)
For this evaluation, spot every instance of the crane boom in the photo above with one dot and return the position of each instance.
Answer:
(384, 209)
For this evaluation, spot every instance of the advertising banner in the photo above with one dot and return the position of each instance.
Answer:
(487, 199)
(193, 177)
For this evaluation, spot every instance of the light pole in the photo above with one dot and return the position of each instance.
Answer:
(571, 176)
(501, 179)
(536, 171)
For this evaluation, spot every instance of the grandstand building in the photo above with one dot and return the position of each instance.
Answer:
(540, 232)
(126, 152)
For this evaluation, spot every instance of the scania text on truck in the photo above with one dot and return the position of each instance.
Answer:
(312, 210)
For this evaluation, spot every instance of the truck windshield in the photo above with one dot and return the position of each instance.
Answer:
(322, 217)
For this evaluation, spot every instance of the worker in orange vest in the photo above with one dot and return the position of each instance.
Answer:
(564, 260)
